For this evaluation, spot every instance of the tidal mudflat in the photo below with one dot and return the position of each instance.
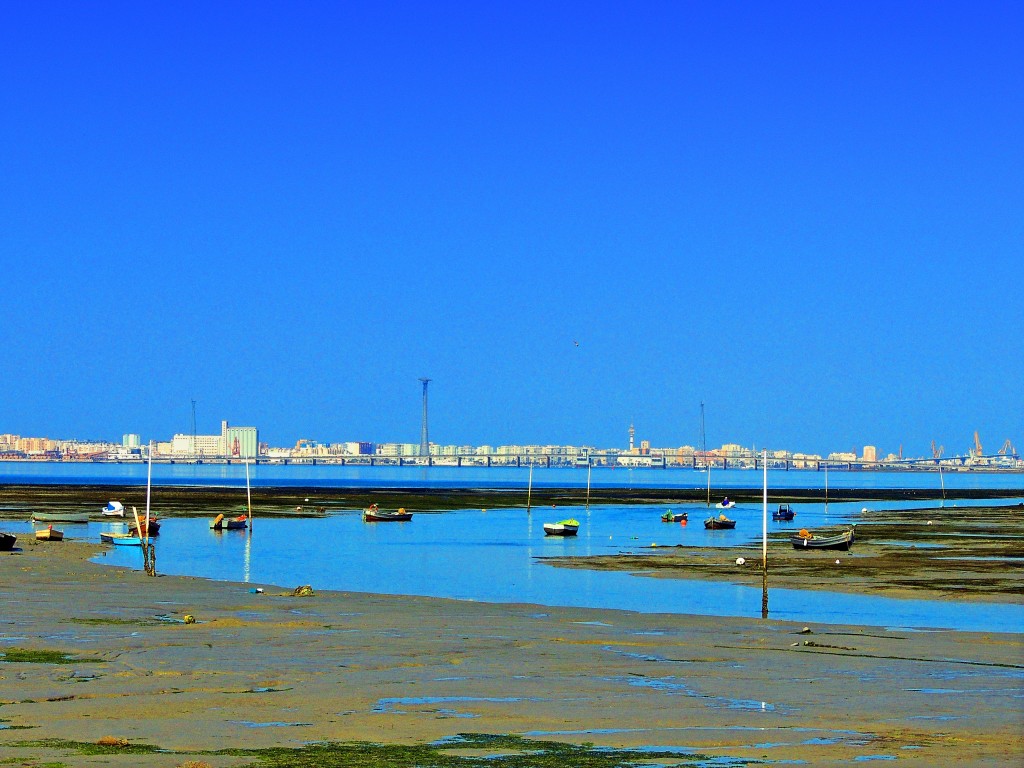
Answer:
(933, 553)
(102, 653)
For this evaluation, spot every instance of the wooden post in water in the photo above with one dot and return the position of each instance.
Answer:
(149, 485)
(764, 544)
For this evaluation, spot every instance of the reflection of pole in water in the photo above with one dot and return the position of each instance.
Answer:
(245, 562)
(588, 485)
(529, 489)
(248, 496)
(942, 483)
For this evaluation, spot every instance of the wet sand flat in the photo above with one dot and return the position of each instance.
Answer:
(930, 553)
(273, 669)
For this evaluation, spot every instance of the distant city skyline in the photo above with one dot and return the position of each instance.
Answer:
(571, 218)
(246, 442)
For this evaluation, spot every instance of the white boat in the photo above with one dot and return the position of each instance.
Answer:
(562, 528)
(113, 509)
(61, 517)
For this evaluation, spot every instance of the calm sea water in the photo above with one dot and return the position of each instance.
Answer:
(482, 477)
(495, 556)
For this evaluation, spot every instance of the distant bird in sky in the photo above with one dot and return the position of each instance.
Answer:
(575, 342)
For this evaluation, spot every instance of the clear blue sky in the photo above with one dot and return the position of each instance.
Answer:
(809, 216)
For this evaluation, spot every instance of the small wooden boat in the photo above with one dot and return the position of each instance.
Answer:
(562, 528)
(719, 523)
(49, 534)
(7, 541)
(673, 517)
(121, 539)
(221, 523)
(113, 509)
(784, 512)
(807, 540)
(376, 515)
(60, 517)
(151, 530)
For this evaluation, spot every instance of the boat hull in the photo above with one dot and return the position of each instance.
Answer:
(562, 528)
(152, 529)
(841, 542)
(784, 512)
(677, 517)
(7, 541)
(717, 524)
(61, 517)
(48, 534)
(121, 539)
(386, 517)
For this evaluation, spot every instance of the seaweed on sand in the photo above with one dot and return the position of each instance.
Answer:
(493, 751)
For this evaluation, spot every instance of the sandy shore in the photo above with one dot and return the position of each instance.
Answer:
(272, 669)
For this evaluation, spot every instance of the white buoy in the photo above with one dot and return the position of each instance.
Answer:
(740, 561)
(837, 562)
(864, 510)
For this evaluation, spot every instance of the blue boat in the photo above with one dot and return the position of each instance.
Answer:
(784, 512)
(121, 539)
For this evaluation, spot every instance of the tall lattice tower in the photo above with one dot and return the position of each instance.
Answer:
(424, 440)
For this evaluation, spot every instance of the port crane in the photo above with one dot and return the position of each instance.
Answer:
(937, 452)
(1008, 449)
(977, 445)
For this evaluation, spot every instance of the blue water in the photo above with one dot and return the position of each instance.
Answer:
(492, 556)
(486, 477)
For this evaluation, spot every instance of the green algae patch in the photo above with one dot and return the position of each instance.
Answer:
(493, 751)
(99, 621)
(32, 656)
(88, 748)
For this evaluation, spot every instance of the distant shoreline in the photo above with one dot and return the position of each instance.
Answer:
(313, 500)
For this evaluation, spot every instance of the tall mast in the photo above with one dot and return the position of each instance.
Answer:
(704, 450)
(248, 494)
(424, 440)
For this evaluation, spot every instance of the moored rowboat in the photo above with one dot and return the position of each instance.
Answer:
(784, 512)
(376, 515)
(807, 540)
(719, 523)
(122, 539)
(7, 541)
(221, 523)
(562, 528)
(113, 509)
(61, 517)
(49, 534)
